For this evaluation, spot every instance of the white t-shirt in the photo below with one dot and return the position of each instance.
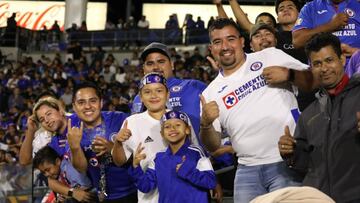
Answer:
(42, 137)
(253, 114)
(145, 129)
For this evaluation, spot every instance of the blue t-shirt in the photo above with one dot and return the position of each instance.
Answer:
(184, 96)
(319, 12)
(118, 182)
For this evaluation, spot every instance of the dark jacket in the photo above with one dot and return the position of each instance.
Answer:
(328, 143)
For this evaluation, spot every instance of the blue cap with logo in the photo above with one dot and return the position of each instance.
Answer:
(174, 115)
(152, 78)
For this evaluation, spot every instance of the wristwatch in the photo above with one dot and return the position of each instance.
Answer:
(70, 192)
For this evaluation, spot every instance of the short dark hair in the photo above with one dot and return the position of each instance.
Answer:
(296, 3)
(45, 154)
(86, 84)
(268, 15)
(321, 40)
(221, 23)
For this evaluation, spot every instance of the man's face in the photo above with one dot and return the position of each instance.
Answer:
(227, 48)
(287, 13)
(157, 62)
(327, 67)
(50, 170)
(50, 119)
(87, 106)
(265, 20)
(262, 39)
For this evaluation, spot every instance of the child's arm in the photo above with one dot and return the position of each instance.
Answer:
(145, 182)
(201, 175)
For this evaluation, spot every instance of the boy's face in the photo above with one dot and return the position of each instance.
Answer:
(50, 170)
(175, 131)
(154, 96)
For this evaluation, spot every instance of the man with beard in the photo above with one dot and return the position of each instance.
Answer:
(239, 102)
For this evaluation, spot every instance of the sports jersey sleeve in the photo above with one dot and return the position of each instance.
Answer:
(286, 60)
(145, 182)
(305, 19)
(200, 174)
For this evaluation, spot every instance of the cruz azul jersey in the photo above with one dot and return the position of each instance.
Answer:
(253, 114)
(319, 12)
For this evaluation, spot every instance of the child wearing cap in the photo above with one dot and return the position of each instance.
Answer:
(181, 167)
(144, 127)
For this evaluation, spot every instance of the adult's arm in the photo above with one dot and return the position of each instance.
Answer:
(240, 16)
(208, 135)
(301, 36)
(78, 157)
(220, 9)
(26, 149)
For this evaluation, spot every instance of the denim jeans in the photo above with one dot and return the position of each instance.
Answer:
(252, 181)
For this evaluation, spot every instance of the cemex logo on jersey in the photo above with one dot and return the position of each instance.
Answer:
(230, 100)
(245, 89)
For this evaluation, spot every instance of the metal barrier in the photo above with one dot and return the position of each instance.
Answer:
(16, 184)
(29, 40)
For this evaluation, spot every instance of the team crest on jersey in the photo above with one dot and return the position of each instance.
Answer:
(298, 21)
(350, 12)
(176, 88)
(230, 100)
(94, 162)
(256, 66)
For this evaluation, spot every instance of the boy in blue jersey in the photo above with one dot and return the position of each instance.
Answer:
(90, 147)
(181, 167)
(50, 163)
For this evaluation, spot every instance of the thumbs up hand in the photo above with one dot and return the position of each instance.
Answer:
(124, 133)
(286, 143)
(210, 111)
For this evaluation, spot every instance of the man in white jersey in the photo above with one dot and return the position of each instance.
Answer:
(239, 102)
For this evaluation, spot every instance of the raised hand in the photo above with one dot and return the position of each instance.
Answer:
(31, 124)
(180, 164)
(138, 156)
(213, 63)
(210, 111)
(286, 143)
(124, 133)
(216, 1)
(74, 135)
